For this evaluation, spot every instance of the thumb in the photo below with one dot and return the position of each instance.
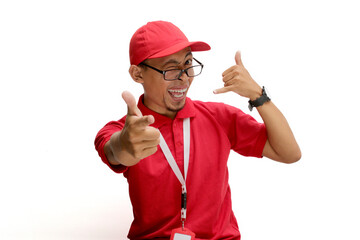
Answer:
(238, 59)
(131, 103)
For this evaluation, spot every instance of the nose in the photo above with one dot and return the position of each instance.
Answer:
(182, 73)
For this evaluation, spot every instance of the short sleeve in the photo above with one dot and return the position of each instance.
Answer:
(103, 136)
(246, 135)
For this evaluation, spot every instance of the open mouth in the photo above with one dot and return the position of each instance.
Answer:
(178, 93)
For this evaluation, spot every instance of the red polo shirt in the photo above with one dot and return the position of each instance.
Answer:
(154, 190)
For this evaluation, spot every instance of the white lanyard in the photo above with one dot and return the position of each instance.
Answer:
(170, 158)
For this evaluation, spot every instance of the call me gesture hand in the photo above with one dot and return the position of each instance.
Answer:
(238, 80)
(137, 140)
(281, 144)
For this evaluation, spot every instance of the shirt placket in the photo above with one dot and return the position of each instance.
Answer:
(177, 127)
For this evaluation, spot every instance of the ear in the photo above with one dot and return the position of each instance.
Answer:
(136, 73)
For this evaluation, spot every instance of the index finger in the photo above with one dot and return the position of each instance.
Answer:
(144, 121)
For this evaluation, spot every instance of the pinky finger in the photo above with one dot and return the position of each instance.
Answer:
(222, 90)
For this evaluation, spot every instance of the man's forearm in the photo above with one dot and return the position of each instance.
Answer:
(281, 145)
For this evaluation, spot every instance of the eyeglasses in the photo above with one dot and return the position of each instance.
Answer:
(175, 74)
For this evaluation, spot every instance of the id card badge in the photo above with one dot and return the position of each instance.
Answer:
(182, 234)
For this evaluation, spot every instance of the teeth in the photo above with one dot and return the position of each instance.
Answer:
(178, 90)
(178, 93)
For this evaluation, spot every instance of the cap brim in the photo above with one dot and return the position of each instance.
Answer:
(195, 47)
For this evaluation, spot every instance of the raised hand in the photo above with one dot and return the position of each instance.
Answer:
(238, 80)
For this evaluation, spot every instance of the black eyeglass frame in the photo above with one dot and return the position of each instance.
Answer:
(163, 72)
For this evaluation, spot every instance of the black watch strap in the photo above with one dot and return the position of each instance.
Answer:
(259, 101)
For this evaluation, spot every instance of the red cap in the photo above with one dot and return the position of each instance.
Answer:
(159, 39)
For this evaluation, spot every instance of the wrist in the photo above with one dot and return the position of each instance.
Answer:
(117, 147)
(259, 101)
(256, 94)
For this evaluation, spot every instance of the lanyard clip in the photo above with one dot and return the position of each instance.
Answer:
(183, 200)
(183, 214)
(183, 205)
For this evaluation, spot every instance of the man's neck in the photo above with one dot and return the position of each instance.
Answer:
(163, 111)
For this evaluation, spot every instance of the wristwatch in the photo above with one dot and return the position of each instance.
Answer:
(261, 100)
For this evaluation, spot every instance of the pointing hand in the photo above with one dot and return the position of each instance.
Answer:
(137, 139)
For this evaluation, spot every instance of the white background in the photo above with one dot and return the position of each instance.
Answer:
(63, 66)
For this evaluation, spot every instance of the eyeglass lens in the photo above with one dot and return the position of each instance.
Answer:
(190, 72)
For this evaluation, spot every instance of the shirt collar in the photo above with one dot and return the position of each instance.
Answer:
(187, 112)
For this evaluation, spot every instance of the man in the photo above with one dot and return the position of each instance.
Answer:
(174, 151)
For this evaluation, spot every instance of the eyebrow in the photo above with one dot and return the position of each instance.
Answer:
(173, 61)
